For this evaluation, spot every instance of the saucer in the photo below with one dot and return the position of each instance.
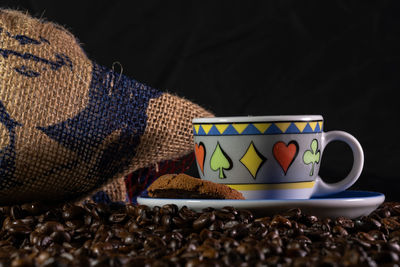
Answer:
(350, 204)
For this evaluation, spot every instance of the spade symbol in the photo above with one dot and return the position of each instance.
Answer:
(220, 161)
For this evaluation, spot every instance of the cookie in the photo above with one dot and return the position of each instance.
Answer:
(185, 186)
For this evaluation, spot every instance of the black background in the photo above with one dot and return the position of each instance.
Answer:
(339, 59)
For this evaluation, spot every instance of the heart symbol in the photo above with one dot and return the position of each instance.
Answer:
(285, 154)
(200, 152)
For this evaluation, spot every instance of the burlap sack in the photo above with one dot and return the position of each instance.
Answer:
(69, 126)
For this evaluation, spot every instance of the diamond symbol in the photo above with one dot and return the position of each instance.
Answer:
(252, 160)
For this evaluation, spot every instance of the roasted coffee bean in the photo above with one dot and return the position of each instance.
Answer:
(395, 235)
(100, 248)
(395, 211)
(295, 252)
(385, 256)
(280, 221)
(258, 232)
(393, 246)
(308, 220)
(216, 226)
(212, 242)
(20, 262)
(365, 237)
(210, 253)
(119, 230)
(117, 217)
(5, 210)
(102, 210)
(42, 258)
(204, 220)
(205, 234)
(60, 237)
(16, 212)
(377, 235)
(230, 224)
(7, 223)
(131, 209)
(19, 230)
(141, 209)
(293, 245)
(245, 216)
(32, 208)
(74, 224)
(153, 241)
(273, 234)
(317, 234)
(275, 246)
(87, 219)
(391, 223)
(166, 220)
(367, 224)
(73, 212)
(361, 242)
(45, 241)
(178, 221)
(169, 209)
(383, 213)
(225, 215)
(339, 230)
(50, 227)
(239, 231)
(344, 222)
(301, 239)
(143, 219)
(187, 214)
(329, 261)
(230, 209)
(292, 214)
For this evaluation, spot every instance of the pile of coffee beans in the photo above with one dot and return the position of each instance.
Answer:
(127, 235)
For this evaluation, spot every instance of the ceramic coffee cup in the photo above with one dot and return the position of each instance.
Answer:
(270, 157)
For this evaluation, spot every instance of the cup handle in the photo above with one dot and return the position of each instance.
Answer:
(321, 188)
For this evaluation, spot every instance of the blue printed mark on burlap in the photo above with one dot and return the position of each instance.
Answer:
(23, 39)
(7, 153)
(59, 61)
(26, 72)
(116, 102)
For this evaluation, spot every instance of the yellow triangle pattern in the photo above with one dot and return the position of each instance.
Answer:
(313, 124)
(221, 127)
(300, 125)
(196, 128)
(206, 127)
(262, 127)
(283, 126)
(240, 127)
